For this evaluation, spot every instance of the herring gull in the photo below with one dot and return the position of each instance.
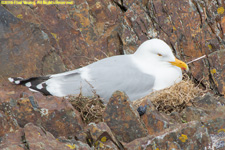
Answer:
(152, 67)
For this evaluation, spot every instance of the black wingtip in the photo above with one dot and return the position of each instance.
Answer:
(15, 80)
(36, 84)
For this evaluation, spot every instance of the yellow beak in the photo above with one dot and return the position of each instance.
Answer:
(180, 64)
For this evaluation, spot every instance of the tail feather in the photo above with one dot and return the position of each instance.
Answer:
(34, 83)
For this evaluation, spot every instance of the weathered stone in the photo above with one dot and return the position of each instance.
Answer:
(217, 70)
(78, 33)
(23, 47)
(189, 40)
(191, 114)
(109, 145)
(54, 114)
(122, 119)
(147, 102)
(187, 136)
(172, 146)
(136, 27)
(154, 121)
(207, 103)
(72, 35)
(140, 143)
(176, 116)
(101, 136)
(208, 133)
(33, 43)
(203, 107)
(216, 130)
(33, 137)
(7, 123)
(12, 140)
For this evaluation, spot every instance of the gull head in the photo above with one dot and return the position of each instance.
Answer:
(157, 52)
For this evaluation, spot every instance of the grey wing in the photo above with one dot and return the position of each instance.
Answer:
(119, 73)
(62, 84)
(68, 83)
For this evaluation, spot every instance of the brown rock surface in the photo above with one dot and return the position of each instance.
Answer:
(25, 46)
(217, 70)
(34, 138)
(155, 121)
(122, 119)
(40, 40)
(101, 137)
(54, 114)
(75, 35)
(202, 128)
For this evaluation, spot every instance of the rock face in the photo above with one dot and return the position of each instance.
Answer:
(27, 123)
(70, 36)
(45, 39)
(203, 132)
(33, 137)
(122, 119)
(56, 115)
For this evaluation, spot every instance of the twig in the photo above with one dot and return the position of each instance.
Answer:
(196, 59)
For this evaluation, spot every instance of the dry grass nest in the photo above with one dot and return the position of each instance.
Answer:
(174, 98)
(90, 108)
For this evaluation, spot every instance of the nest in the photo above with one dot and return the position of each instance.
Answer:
(90, 108)
(174, 98)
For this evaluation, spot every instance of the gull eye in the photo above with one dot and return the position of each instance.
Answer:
(159, 54)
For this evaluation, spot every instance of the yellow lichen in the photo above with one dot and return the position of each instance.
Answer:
(220, 10)
(55, 36)
(20, 16)
(96, 143)
(71, 146)
(210, 46)
(213, 71)
(183, 138)
(174, 28)
(103, 139)
(221, 130)
(101, 145)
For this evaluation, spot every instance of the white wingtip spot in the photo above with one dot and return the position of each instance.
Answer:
(39, 86)
(17, 82)
(11, 79)
(32, 90)
(28, 84)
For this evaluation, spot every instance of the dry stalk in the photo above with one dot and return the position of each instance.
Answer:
(90, 108)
